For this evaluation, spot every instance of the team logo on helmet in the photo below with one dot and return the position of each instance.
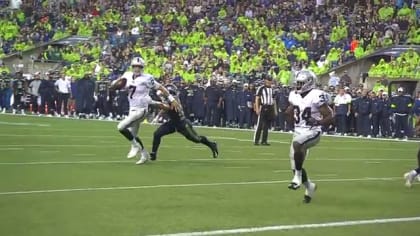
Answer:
(138, 61)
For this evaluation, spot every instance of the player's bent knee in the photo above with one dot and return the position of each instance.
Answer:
(156, 135)
(297, 146)
(121, 127)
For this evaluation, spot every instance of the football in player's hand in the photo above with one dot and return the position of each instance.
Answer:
(119, 83)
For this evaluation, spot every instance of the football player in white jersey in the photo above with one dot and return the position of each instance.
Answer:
(138, 85)
(310, 111)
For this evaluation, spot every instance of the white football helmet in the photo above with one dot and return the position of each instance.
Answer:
(138, 61)
(305, 81)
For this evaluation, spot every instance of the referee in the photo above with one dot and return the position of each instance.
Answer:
(265, 109)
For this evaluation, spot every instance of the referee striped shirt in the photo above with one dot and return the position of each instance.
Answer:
(266, 95)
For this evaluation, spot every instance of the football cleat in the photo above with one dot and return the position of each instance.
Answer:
(133, 152)
(215, 150)
(309, 192)
(408, 179)
(418, 178)
(144, 158)
(296, 182)
(153, 156)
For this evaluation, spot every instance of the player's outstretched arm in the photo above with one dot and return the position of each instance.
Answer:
(174, 103)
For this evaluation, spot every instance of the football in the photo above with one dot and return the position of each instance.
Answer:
(119, 83)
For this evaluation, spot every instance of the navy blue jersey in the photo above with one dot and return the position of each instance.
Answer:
(102, 87)
(402, 104)
(376, 106)
(364, 105)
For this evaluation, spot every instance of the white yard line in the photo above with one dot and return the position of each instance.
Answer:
(367, 179)
(49, 151)
(23, 124)
(179, 160)
(282, 171)
(10, 149)
(83, 154)
(234, 147)
(267, 154)
(237, 167)
(174, 160)
(294, 227)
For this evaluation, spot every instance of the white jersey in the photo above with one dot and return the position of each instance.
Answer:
(139, 88)
(307, 106)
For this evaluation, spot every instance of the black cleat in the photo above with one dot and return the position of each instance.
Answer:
(152, 156)
(265, 144)
(309, 193)
(307, 199)
(215, 150)
(293, 186)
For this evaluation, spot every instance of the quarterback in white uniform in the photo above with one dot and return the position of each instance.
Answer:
(138, 85)
(310, 111)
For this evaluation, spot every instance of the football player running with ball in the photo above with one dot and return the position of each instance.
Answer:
(310, 111)
(177, 122)
(138, 85)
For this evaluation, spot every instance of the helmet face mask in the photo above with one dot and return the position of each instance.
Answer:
(305, 81)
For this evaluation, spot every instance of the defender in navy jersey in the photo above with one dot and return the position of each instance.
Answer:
(177, 122)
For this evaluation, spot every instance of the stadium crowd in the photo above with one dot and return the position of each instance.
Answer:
(193, 37)
(217, 52)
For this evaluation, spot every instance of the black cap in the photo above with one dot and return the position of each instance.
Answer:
(267, 77)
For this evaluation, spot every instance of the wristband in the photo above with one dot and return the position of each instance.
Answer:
(171, 98)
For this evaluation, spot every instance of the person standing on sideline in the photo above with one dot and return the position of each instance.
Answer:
(63, 88)
(20, 86)
(33, 90)
(342, 108)
(265, 109)
(401, 106)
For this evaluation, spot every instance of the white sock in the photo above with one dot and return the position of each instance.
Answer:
(298, 173)
(135, 143)
(307, 184)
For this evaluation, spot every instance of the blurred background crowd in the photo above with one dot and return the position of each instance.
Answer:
(216, 51)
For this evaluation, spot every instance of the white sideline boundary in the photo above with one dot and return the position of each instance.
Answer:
(222, 128)
(293, 227)
(121, 144)
(367, 161)
(366, 179)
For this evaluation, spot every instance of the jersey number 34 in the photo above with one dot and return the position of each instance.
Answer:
(305, 115)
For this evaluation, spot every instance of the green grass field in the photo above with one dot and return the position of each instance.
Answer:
(71, 177)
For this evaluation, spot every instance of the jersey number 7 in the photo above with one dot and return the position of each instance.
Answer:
(306, 114)
(132, 89)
